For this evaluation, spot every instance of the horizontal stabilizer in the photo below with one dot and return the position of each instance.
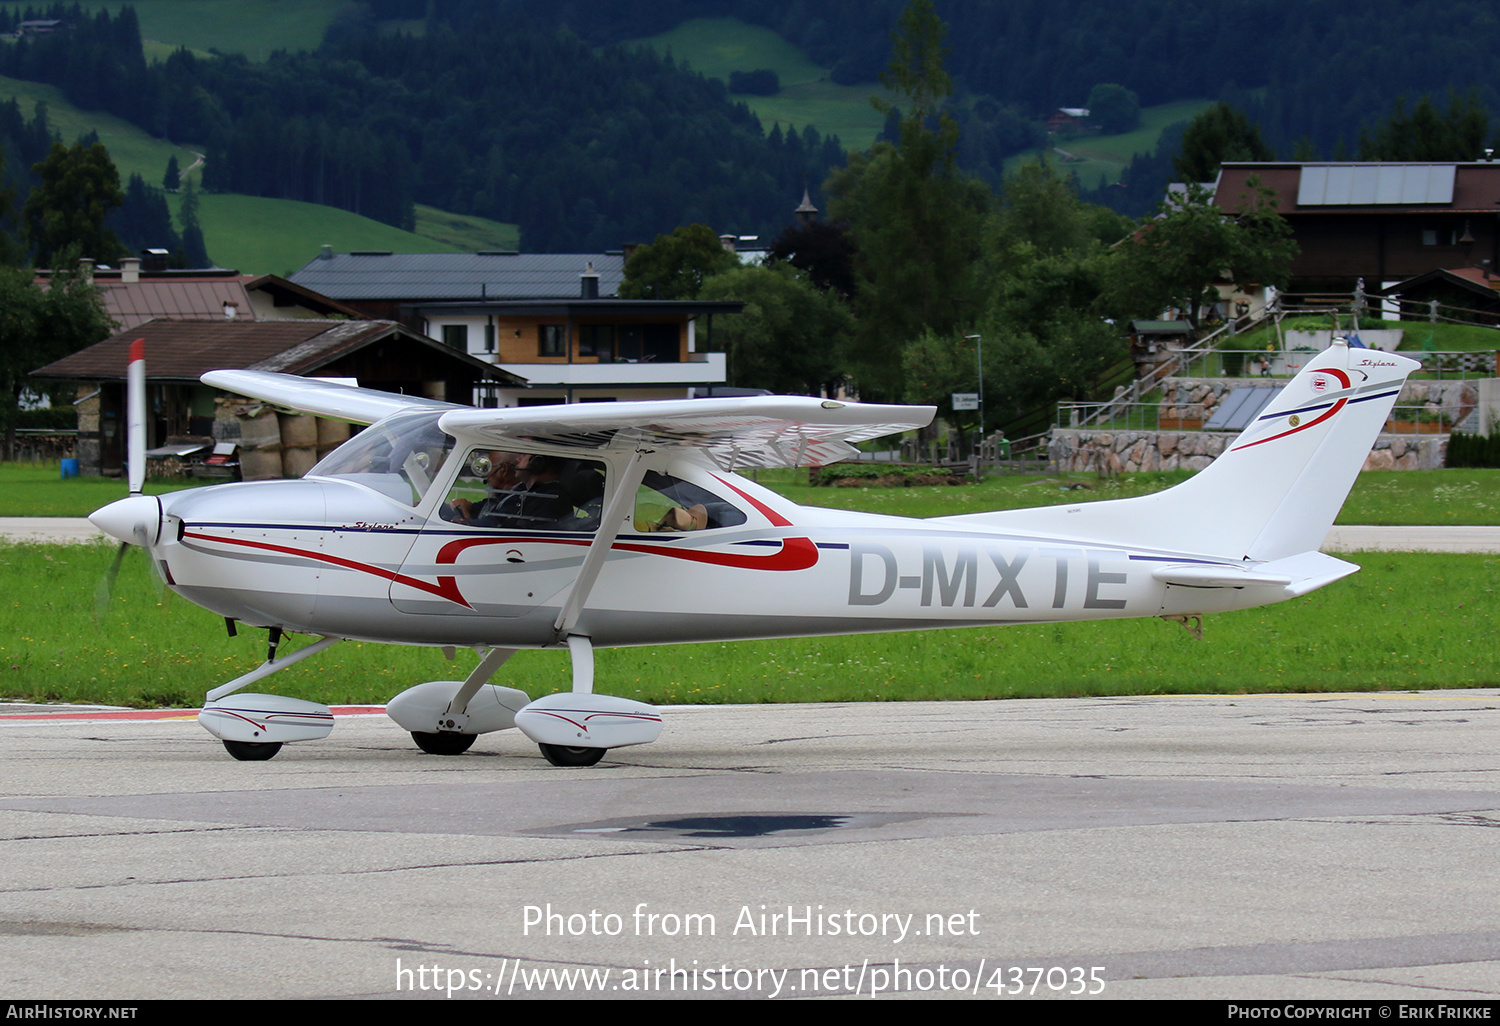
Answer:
(1199, 576)
(1294, 575)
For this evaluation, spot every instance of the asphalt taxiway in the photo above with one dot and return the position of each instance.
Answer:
(1265, 846)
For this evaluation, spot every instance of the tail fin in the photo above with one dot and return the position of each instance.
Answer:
(1276, 489)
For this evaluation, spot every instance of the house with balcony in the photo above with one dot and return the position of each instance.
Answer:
(554, 320)
(1382, 223)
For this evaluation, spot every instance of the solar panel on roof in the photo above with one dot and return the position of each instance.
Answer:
(1241, 406)
(1367, 185)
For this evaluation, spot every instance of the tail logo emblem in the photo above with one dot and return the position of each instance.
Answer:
(1320, 384)
(1294, 420)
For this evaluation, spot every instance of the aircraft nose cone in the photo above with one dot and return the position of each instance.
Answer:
(136, 520)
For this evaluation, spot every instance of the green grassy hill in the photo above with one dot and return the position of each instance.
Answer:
(255, 234)
(1102, 157)
(133, 150)
(229, 26)
(268, 236)
(717, 46)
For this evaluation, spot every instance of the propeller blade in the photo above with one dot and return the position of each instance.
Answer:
(107, 584)
(135, 416)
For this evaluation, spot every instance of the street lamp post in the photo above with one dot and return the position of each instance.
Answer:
(979, 346)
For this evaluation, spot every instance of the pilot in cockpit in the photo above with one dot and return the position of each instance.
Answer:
(504, 474)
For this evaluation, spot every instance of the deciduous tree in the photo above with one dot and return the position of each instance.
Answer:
(790, 337)
(1116, 108)
(79, 187)
(675, 266)
(41, 324)
(1174, 260)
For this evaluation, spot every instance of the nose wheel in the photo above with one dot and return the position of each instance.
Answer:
(561, 755)
(252, 751)
(447, 742)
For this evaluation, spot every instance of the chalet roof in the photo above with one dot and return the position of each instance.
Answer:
(1356, 187)
(201, 297)
(131, 305)
(185, 350)
(1472, 279)
(418, 276)
(1160, 327)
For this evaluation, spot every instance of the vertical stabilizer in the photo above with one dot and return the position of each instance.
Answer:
(1276, 489)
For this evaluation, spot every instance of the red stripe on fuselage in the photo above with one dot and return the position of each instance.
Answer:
(794, 554)
(445, 588)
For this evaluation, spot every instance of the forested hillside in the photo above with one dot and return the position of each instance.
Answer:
(582, 149)
(533, 114)
(1320, 69)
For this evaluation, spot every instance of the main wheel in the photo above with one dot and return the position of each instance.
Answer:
(252, 751)
(447, 742)
(560, 755)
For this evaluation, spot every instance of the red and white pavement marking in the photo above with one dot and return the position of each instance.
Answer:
(65, 713)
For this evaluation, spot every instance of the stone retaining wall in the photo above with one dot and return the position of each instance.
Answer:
(1078, 450)
(1114, 452)
(1198, 398)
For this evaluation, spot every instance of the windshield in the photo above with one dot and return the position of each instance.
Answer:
(399, 456)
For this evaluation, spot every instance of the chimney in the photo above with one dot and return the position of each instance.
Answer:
(86, 268)
(130, 270)
(728, 241)
(231, 309)
(326, 253)
(589, 283)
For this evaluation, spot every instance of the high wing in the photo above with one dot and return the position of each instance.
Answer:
(322, 398)
(733, 434)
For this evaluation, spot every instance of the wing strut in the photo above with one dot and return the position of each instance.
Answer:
(609, 530)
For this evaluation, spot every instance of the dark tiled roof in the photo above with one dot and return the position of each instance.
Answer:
(186, 350)
(139, 302)
(416, 276)
(183, 297)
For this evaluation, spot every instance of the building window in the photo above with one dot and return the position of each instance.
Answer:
(553, 340)
(597, 340)
(1439, 237)
(457, 336)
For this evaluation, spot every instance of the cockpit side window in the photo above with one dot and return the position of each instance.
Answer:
(519, 491)
(666, 503)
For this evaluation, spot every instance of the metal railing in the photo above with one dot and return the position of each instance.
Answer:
(1275, 363)
(1162, 416)
(994, 454)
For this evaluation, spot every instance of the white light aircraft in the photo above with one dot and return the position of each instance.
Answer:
(592, 526)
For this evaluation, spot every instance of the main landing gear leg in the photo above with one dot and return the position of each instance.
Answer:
(581, 649)
(450, 738)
